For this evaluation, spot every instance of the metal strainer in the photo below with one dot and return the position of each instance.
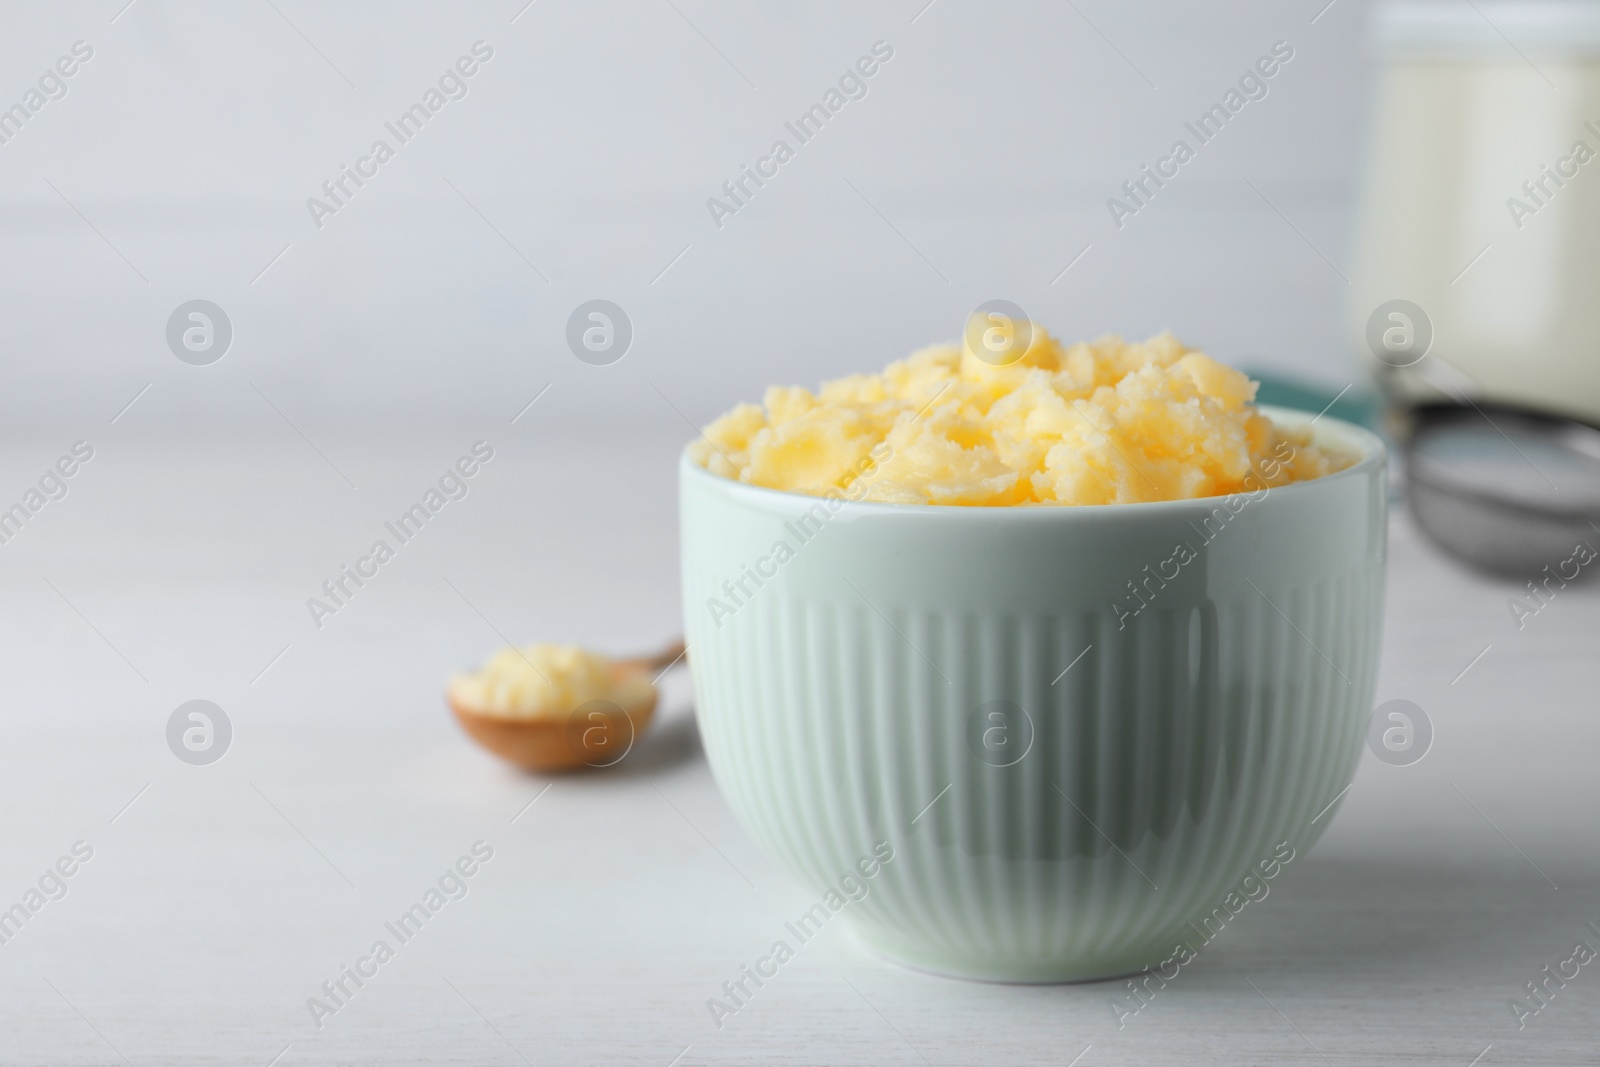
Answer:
(1506, 491)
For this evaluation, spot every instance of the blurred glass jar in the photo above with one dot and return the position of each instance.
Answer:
(1477, 270)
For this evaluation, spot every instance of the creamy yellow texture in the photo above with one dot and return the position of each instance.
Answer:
(545, 682)
(1097, 422)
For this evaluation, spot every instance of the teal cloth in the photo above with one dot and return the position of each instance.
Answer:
(1357, 405)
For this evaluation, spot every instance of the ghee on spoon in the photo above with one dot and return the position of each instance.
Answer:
(559, 707)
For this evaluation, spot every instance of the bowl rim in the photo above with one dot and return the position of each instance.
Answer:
(1325, 429)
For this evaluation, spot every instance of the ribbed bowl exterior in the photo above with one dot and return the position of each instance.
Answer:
(1074, 761)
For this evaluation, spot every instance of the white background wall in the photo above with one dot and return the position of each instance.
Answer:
(591, 141)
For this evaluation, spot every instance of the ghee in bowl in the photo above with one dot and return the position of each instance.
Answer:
(1101, 422)
(1076, 729)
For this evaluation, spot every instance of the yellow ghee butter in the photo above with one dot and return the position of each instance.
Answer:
(1097, 422)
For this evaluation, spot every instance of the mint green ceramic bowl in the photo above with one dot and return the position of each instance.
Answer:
(1081, 743)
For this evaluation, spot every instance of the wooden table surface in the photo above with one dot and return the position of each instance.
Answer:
(218, 899)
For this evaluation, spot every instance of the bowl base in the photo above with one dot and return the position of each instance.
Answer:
(947, 963)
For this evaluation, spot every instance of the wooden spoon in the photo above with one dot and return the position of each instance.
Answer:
(598, 733)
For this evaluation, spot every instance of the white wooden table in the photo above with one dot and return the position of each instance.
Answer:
(220, 898)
